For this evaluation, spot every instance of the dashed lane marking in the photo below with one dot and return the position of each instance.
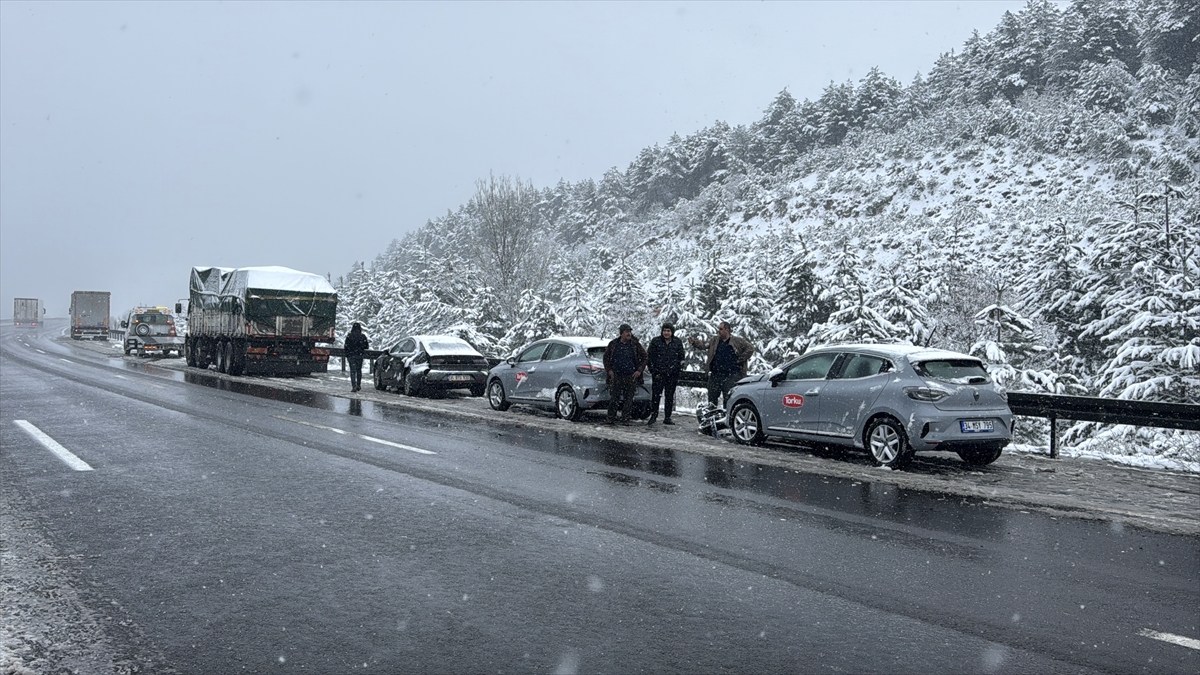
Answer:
(362, 436)
(66, 360)
(39, 351)
(1170, 637)
(53, 446)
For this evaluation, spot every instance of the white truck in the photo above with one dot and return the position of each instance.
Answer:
(27, 312)
(89, 315)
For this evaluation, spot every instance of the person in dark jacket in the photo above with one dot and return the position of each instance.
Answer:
(665, 360)
(356, 346)
(728, 358)
(624, 361)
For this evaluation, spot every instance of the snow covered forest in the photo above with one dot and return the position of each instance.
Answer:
(1032, 200)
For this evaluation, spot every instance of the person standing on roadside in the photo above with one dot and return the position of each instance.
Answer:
(356, 346)
(728, 358)
(624, 360)
(665, 360)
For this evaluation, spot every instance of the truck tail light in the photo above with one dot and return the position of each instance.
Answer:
(319, 352)
(256, 350)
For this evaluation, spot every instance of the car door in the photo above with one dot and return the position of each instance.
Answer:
(792, 406)
(851, 391)
(517, 378)
(544, 381)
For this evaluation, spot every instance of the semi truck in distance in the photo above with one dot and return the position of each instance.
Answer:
(89, 315)
(27, 312)
(259, 320)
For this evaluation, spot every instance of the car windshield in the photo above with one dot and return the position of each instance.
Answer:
(956, 371)
(152, 318)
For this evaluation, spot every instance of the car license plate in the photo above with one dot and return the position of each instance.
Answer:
(459, 378)
(976, 426)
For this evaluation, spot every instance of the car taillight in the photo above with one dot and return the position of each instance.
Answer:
(925, 393)
(437, 361)
(589, 370)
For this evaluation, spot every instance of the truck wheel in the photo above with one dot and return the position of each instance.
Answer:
(222, 357)
(189, 353)
(237, 357)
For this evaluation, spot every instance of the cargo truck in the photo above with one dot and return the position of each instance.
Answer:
(259, 320)
(27, 312)
(89, 315)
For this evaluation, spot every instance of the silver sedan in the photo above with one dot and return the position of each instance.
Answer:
(891, 400)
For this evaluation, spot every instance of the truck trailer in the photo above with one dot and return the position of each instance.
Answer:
(27, 312)
(89, 315)
(259, 320)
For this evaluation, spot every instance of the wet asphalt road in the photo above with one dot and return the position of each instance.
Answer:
(260, 531)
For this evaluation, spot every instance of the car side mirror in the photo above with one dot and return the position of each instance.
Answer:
(512, 360)
(124, 324)
(179, 308)
(776, 376)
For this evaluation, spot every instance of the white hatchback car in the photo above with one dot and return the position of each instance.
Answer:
(892, 400)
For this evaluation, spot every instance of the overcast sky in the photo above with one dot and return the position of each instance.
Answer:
(140, 139)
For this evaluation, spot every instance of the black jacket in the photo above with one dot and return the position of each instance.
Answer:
(356, 344)
(639, 355)
(666, 358)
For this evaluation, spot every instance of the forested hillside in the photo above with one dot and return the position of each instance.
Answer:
(1033, 199)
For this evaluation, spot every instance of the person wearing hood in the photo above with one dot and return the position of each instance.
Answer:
(624, 361)
(665, 360)
(356, 345)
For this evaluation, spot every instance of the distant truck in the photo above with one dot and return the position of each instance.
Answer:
(150, 331)
(89, 315)
(27, 312)
(259, 320)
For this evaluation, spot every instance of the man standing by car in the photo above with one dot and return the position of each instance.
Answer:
(356, 346)
(624, 360)
(665, 360)
(728, 358)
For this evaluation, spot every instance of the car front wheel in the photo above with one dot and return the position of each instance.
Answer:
(496, 397)
(377, 378)
(747, 424)
(567, 404)
(888, 444)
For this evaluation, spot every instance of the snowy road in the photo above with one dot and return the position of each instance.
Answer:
(223, 532)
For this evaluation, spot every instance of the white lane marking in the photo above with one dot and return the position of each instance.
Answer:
(123, 377)
(39, 351)
(53, 446)
(66, 360)
(1170, 637)
(362, 436)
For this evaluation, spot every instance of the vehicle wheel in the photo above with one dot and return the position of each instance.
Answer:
(411, 386)
(237, 358)
(477, 390)
(377, 378)
(496, 396)
(888, 444)
(747, 424)
(127, 351)
(189, 353)
(222, 357)
(980, 456)
(567, 404)
(142, 329)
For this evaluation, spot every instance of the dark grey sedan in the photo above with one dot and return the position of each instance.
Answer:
(422, 363)
(564, 374)
(891, 400)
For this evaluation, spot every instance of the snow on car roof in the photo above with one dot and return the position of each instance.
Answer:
(910, 352)
(581, 341)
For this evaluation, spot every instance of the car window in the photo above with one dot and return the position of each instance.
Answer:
(596, 353)
(555, 351)
(153, 318)
(862, 365)
(532, 354)
(957, 371)
(396, 348)
(447, 346)
(813, 367)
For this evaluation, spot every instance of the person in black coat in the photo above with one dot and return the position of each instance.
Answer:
(356, 346)
(624, 360)
(665, 360)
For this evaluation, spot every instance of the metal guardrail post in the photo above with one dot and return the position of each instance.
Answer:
(1053, 436)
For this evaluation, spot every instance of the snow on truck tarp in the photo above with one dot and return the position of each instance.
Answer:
(275, 279)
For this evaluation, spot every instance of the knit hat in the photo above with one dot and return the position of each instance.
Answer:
(625, 327)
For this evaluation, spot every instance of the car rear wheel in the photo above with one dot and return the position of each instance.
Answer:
(747, 424)
(980, 456)
(888, 444)
(496, 397)
(411, 386)
(567, 404)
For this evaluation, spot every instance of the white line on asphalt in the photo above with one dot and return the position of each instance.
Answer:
(66, 360)
(39, 351)
(1170, 637)
(351, 433)
(123, 377)
(53, 446)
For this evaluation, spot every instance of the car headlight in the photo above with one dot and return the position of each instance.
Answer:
(925, 394)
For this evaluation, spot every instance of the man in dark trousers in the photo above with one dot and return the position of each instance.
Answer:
(624, 360)
(665, 360)
(356, 345)
(728, 358)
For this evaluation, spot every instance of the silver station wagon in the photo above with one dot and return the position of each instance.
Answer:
(565, 374)
(891, 400)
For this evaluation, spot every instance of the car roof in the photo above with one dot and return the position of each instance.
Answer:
(576, 341)
(908, 352)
